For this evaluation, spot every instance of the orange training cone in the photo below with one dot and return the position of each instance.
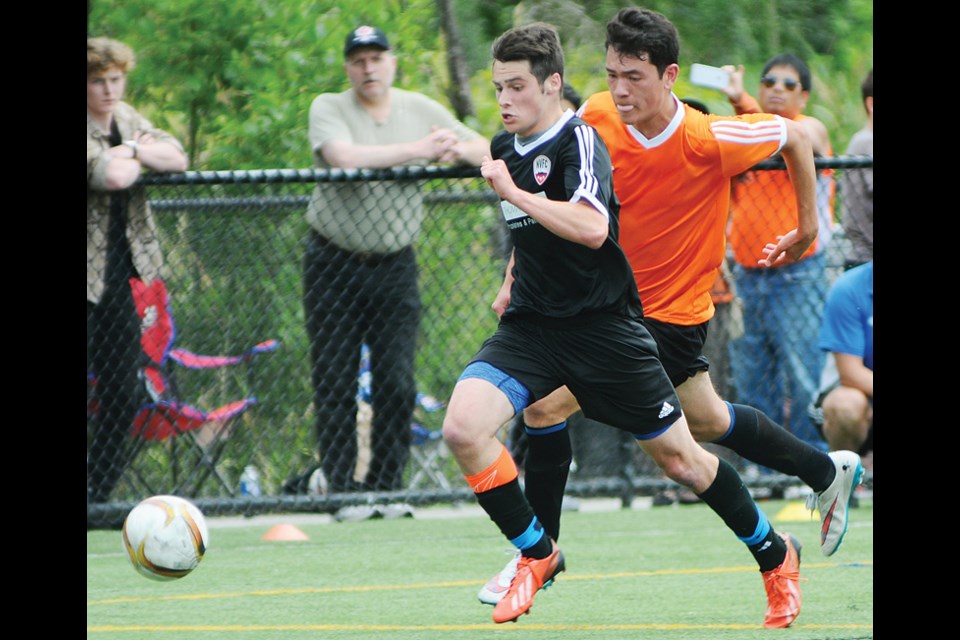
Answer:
(284, 532)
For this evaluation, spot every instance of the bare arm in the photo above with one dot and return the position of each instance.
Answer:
(798, 155)
(565, 219)
(819, 138)
(853, 373)
(742, 101)
(468, 152)
(502, 301)
(121, 172)
(441, 145)
(160, 155)
(125, 164)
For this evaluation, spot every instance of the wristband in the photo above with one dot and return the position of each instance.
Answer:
(133, 146)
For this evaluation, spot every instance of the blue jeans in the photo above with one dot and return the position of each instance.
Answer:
(777, 357)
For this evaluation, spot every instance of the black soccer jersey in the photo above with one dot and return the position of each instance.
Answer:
(554, 277)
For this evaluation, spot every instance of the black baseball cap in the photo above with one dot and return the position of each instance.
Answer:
(364, 36)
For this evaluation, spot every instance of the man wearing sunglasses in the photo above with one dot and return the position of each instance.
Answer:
(776, 364)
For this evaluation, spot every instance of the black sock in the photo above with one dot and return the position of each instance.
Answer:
(517, 441)
(731, 500)
(754, 436)
(510, 511)
(549, 455)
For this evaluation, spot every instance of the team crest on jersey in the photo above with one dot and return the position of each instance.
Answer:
(541, 169)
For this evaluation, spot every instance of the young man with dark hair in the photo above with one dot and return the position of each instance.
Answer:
(845, 402)
(572, 316)
(673, 166)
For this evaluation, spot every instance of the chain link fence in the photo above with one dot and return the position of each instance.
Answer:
(234, 245)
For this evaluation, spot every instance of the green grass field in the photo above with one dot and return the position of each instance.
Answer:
(674, 573)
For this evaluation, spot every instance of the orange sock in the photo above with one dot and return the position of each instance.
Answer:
(502, 471)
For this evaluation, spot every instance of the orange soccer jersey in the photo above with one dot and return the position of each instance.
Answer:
(674, 193)
(765, 206)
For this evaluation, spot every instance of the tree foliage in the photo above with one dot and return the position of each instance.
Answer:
(234, 79)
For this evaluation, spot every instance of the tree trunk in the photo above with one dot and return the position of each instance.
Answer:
(458, 91)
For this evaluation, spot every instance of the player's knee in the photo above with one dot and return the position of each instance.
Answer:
(845, 430)
(680, 470)
(844, 407)
(548, 412)
(709, 423)
(850, 436)
(459, 432)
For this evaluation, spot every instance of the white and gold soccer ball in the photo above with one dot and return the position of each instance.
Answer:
(165, 537)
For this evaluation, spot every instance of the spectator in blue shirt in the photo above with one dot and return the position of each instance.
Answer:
(844, 406)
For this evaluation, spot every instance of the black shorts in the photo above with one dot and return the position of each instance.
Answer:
(609, 362)
(681, 348)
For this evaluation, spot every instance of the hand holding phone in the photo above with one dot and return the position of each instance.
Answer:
(707, 76)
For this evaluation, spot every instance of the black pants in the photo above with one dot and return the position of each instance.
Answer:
(113, 351)
(350, 299)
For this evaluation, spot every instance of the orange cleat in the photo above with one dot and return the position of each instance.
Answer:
(533, 574)
(783, 587)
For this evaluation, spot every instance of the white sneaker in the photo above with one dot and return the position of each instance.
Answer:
(570, 503)
(493, 591)
(317, 483)
(356, 513)
(395, 510)
(834, 501)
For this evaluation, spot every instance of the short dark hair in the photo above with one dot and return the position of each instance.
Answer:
(538, 43)
(569, 93)
(696, 104)
(866, 87)
(634, 32)
(790, 60)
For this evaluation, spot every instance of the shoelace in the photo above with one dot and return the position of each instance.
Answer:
(779, 572)
(511, 571)
(524, 562)
(507, 572)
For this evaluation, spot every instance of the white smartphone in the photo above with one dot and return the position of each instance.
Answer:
(707, 76)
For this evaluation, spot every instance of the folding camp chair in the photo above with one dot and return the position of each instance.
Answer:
(166, 418)
(428, 452)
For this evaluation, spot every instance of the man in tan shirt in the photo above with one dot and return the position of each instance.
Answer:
(360, 269)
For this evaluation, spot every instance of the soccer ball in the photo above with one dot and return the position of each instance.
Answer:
(165, 537)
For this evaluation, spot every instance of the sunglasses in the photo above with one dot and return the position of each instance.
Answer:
(770, 81)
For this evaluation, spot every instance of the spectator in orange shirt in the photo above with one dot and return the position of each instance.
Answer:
(777, 359)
